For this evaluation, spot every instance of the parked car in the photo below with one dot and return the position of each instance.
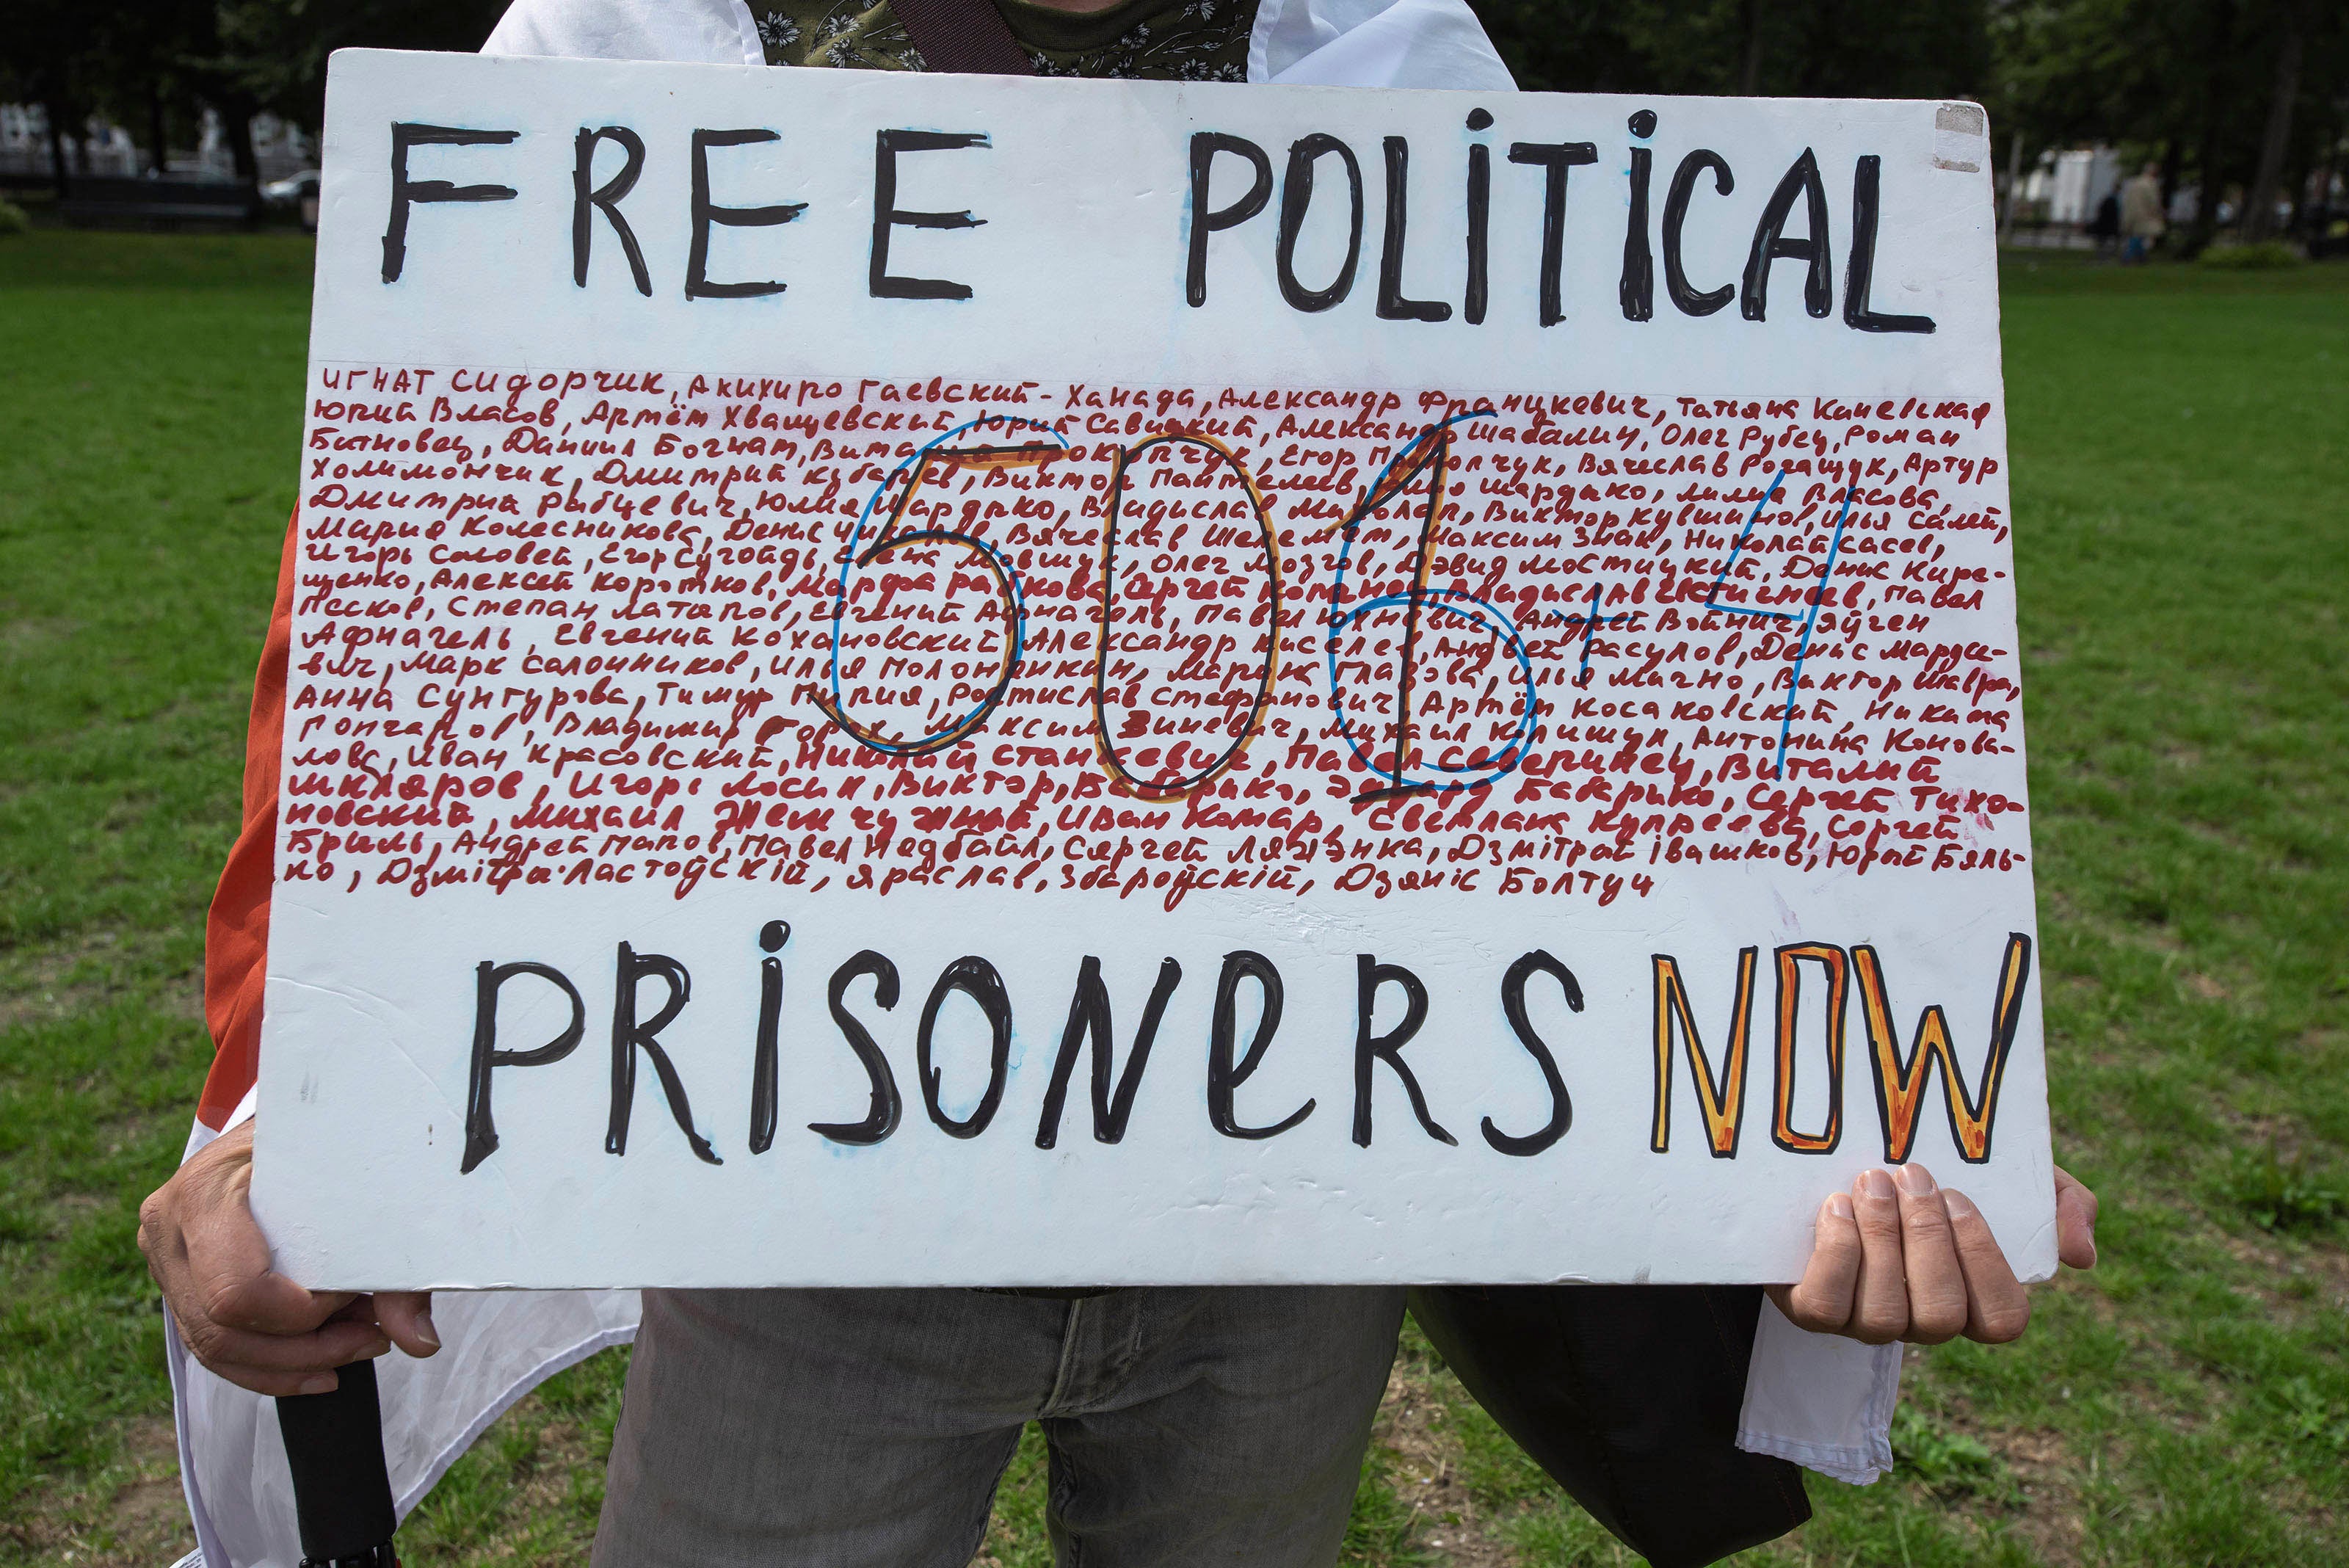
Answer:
(298, 192)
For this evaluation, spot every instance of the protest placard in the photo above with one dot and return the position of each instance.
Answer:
(908, 680)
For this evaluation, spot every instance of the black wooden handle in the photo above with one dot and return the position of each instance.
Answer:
(342, 1490)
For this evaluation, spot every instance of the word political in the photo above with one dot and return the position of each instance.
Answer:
(1793, 225)
(1902, 1077)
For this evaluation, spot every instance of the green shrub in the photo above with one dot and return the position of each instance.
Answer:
(1947, 1463)
(2282, 1194)
(2309, 1416)
(12, 219)
(2265, 256)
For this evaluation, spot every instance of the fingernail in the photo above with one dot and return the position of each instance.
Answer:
(1840, 1206)
(1961, 1207)
(426, 1332)
(1872, 1184)
(1916, 1181)
(324, 1383)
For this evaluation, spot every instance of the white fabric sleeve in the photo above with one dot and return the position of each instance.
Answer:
(1374, 43)
(1823, 1401)
(496, 1346)
(704, 32)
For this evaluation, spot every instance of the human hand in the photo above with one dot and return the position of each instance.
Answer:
(1900, 1258)
(238, 1315)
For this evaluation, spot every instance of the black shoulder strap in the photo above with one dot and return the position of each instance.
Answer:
(965, 36)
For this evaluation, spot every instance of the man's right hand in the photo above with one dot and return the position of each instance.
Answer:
(238, 1316)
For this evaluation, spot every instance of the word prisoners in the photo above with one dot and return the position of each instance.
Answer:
(1397, 752)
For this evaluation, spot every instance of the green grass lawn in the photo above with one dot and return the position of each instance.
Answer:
(2179, 443)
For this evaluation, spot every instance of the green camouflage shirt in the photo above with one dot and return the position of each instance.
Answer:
(1158, 40)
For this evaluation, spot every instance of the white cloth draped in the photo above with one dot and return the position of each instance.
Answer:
(1824, 1403)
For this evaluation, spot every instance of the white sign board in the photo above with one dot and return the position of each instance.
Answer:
(914, 680)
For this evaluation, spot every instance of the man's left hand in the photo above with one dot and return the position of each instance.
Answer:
(1900, 1258)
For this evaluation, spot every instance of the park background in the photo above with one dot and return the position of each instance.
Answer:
(2178, 436)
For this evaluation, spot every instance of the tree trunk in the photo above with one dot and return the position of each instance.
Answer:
(236, 121)
(159, 131)
(1749, 73)
(2318, 188)
(2209, 176)
(2259, 207)
(55, 110)
(2014, 190)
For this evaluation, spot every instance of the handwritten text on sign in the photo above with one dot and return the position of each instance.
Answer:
(1229, 702)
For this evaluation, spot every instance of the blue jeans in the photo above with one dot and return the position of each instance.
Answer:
(853, 1428)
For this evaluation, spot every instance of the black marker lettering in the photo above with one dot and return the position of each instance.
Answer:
(1296, 196)
(1636, 290)
(771, 937)
(705, 214)
(405, 191)
(631, 1035)
(1513, 1005)
(480, 1128)
(1480, 212)
(1555, 159)
(1676, 205)
(1392, 305)
(975, 978)
(881, 1120)
(880, 281)
(1089, 1014)
(585, 194)
(1223, 1075)
(1369, 975)
(1205, 220)
(1770, 243)
(1859, 281)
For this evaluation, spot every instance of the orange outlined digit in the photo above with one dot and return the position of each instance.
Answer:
(1104, 743)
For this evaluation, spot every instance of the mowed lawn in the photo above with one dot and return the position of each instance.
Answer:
(2180, 446)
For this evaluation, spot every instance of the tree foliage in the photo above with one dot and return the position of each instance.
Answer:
(2227, 91)
(147, 63)
(1827, 48)
(279, 48)
(2223, 92)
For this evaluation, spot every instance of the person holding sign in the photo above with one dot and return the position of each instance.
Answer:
(1189, 1424)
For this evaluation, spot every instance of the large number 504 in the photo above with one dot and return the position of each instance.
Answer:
(1427, 460)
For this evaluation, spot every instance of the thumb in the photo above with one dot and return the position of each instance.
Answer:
(405, 1319)
(2076, 1220)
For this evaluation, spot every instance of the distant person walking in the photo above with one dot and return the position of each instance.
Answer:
(2105, 228)
(2141, 219)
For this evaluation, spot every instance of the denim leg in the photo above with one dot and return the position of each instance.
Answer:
(812, 1428)
(1223, 1426)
